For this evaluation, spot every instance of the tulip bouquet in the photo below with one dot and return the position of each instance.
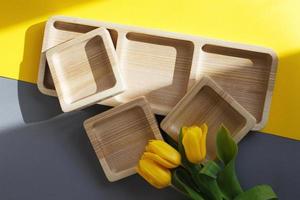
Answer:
(184, 166)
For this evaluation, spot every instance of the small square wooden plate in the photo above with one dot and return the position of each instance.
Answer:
(85, 70)
(119, 136)
(207, 103)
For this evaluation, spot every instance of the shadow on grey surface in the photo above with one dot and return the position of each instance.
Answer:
(53, 159)
(35, 106)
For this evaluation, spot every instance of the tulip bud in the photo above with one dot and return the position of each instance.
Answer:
(157, 175)
(162, 153)
(194, 142)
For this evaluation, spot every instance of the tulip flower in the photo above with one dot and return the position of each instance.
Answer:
(162, 153)
(194, 142)
(212, 182)
(157, 175)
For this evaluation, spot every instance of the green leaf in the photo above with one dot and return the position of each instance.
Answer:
(260, 192)
(226, 147)
(210, 169)
(228, 181)
(211, 187)
(205, 179)
(181, 179)
(227, 151)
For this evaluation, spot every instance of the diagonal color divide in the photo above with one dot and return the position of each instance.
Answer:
(261, 22)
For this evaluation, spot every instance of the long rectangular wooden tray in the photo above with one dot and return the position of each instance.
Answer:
(208, 103)
(162, 66)
(119, 136)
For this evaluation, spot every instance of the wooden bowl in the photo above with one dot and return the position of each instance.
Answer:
(85, 70)
(207, 103)
(119, 136)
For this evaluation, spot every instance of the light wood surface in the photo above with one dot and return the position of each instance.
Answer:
(207, 103)
(85, 70)
(119, 136)
(162, 66)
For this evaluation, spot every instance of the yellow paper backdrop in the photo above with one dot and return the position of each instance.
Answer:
(270, 23)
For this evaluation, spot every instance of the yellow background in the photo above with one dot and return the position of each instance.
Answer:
(270, 23)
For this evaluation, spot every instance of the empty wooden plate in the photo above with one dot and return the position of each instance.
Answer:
(85, 70)
(119, 136)
(207, 103)
(163, 66)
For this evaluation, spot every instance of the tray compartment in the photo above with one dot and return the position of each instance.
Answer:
(244, 74)
(119, 136)
(64, 31)
(157, 67)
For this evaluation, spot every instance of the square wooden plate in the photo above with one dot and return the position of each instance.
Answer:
(85, 70)
(119, 136)
(163, 66)
(207, 103)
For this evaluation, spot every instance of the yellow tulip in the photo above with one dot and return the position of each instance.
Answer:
(162, 153)
(159, 160)
(194, 142)
(157, 175)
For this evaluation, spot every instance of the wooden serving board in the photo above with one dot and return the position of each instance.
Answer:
(162, 66)
(208, 103)
(85, 70)
(119, 136)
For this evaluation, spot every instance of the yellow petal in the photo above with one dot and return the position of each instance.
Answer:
(154, 174)
(156, 158)
(165, 151)
(184, 130)
(196, 129)
(204, 129)
(191, 144)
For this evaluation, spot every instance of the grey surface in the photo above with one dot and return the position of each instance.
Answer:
(45, 154)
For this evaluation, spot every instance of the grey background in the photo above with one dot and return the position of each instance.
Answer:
(45, 154)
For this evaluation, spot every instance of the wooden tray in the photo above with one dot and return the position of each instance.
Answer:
(85, 70)
(162, 66)
(207, 103)
(119, 136)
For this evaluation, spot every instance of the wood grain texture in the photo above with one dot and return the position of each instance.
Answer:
(163, 66)
(247, 75)
(85, 70)
(207, 103)
(119, 136)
